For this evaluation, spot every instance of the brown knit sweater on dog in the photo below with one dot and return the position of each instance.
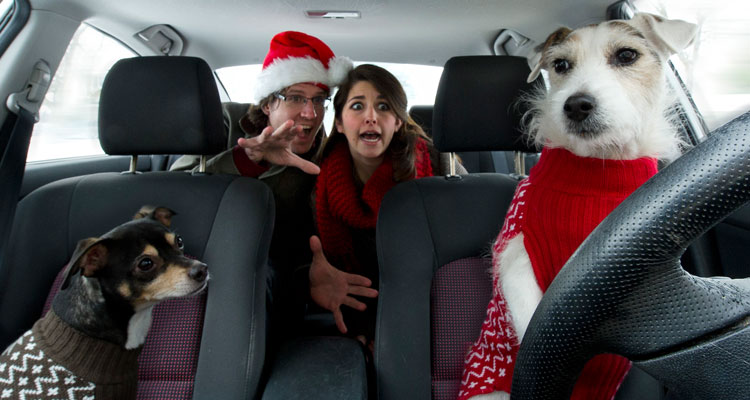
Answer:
(54, 360)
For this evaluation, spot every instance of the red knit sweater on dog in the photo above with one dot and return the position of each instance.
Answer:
(556, 207)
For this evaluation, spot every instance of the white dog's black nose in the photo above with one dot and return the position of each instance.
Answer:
(579, 106)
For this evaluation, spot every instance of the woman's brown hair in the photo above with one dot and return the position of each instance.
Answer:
(402, 148)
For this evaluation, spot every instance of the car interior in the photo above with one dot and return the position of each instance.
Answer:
(419, 352)
(662, 281)
(228, 323)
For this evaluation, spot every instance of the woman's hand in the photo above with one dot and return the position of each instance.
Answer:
(330, 287)
(275, 146)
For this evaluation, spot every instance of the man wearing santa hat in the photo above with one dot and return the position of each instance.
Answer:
(290, 97)
(275, 140)
(292, 89)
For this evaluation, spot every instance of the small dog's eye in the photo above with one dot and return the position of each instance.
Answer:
(178, 242)
(625, 56)
(145, 264)
(561, 66)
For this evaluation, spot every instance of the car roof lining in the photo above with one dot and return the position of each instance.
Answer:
(232, 32)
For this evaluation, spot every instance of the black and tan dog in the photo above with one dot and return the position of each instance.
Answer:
(87, 345)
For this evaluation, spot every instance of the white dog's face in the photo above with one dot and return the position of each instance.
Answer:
(608, 97)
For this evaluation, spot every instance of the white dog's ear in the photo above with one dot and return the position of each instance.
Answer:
(535, 63)
(536, 58)
(668, 35)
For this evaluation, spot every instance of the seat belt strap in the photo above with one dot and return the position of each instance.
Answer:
(12, 166)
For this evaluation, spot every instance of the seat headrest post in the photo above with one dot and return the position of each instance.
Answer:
(202, 165)
(452, 156)
(520, 163)
(133, 164)
(452, 175)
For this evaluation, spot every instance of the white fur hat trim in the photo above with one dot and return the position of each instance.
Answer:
(288, 71)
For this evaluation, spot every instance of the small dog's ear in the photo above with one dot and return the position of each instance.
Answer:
(73, 265)
(669, 36)
(93, 259)
(536, 59)
(161, 214)
(144, 212)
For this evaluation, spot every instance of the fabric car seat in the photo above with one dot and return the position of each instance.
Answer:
(434, 236)
(473, 161)
(203, 347)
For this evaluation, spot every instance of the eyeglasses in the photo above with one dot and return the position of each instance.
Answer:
(296, 101)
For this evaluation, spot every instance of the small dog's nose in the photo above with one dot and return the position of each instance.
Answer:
(198, 272)
(579, 106)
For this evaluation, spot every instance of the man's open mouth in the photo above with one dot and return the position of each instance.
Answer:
(306, 130)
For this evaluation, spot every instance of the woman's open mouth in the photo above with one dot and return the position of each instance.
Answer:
(369, 137)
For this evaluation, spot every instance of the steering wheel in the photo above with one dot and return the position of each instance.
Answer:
(624, 290)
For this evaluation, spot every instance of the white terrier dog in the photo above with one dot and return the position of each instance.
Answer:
(603, 123)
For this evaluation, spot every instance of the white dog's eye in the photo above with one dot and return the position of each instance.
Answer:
(561, 65)
(625, 56)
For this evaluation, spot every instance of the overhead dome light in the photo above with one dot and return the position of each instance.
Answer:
(333, 14)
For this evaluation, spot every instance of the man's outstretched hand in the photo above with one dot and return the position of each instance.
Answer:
(330, 288)
(275, 146)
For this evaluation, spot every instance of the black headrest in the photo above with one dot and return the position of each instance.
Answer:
(160, 105)
(422, 115)
(477, 107)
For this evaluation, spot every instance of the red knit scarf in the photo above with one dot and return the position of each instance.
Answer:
(340, 206)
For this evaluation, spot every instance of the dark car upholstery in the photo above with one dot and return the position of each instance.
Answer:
(435, 234)
(159, 105)
(473, 161)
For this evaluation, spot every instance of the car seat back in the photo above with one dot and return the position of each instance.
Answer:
(159, 105)
(434, 235)
(474, 161)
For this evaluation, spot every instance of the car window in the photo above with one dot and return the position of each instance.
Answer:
(716, 69)
(68, 116)
(419, 81)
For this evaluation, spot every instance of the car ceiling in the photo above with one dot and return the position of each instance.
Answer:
(236, 32)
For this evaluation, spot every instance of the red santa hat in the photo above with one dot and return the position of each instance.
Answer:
(295, 57)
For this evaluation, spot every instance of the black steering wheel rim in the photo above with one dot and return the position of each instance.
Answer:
(624, 290)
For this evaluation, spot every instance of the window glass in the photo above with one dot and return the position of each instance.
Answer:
(716, 68)
(420, 83)
(68, 116)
